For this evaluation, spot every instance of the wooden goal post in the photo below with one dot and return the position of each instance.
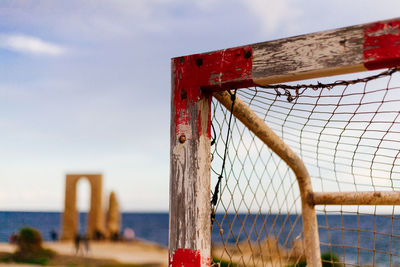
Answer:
(195, 78)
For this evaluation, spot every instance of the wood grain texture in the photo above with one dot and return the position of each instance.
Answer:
(346, 50)
(351, 49)
(190, 209)
(309, 56)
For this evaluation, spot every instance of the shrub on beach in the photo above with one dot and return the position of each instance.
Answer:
(223, 263)
(328, 260)
(30, 250)
(29, 240)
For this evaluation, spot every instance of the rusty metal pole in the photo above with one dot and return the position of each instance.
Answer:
(357, 198)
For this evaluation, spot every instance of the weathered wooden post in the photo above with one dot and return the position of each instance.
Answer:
(189, 223)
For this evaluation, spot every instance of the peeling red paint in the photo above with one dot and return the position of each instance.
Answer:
(185, 258)
(206, 261)
(227, 69)
(186, 93)
(382, 45)
(199, 73)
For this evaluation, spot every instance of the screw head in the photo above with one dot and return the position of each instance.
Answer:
(182, 139)
(183, 94)
(199, 62)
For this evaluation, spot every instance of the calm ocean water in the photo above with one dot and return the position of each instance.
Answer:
(149, 226)
(342, 231)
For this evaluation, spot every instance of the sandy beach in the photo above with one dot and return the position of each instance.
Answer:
(136, 252)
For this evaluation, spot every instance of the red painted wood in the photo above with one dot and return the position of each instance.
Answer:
(195, 75)
(190, 224)
(382, 45)
(186, 93)
(185, 258)
(227, 69)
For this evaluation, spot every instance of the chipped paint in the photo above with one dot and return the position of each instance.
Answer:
(382, 45)
(227, 69)
(184, 258)
(194, 74)
(185, 93)
(190, 225)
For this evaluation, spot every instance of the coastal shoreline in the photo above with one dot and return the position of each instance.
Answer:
(135, 252)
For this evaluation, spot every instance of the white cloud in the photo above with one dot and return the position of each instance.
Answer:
(30, 45)
(274, 15)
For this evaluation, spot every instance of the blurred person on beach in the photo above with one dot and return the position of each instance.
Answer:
(98, 235)
(53, 235)
(115, 237)
(129, 234)
(13, 238)
(85, 240)
(77, 242)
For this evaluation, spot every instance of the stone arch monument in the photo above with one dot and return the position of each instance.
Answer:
(96, 218)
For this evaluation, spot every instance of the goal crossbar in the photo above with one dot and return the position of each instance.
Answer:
(357, 48)
(194, 80)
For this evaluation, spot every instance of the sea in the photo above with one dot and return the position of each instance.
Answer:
(362, 239)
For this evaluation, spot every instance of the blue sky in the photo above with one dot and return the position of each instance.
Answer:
(85, 85)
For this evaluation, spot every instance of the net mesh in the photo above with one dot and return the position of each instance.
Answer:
(347, 134)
